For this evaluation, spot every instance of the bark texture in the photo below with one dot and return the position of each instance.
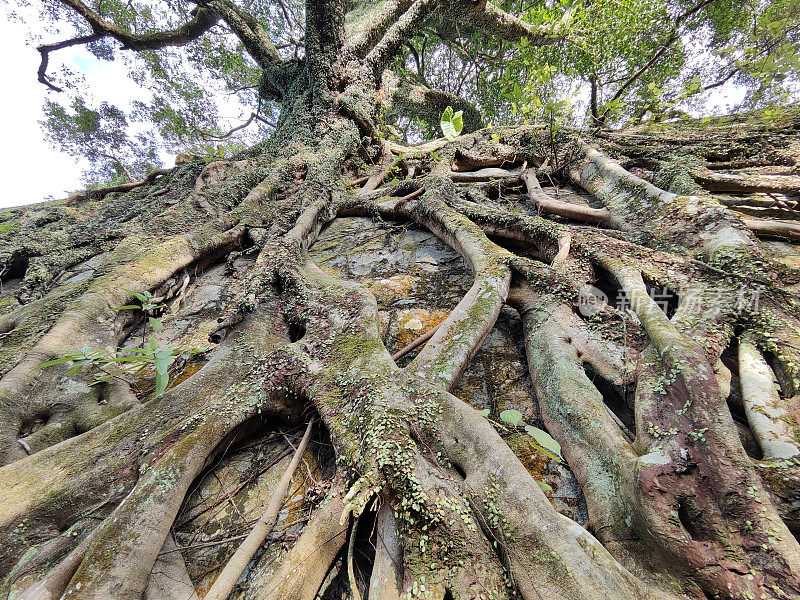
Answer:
(656, 450)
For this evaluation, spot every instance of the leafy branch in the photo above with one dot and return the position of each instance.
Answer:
(123, 363)
(108, 364)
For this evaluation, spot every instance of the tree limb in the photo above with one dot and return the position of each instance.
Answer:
(203, 20)
(409, 99)
(46, 49)
(248, 30)
(491, 18)
(397, 34)
(658, 54)
(253, 117)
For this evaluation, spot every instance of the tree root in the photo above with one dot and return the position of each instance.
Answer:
(169, 579)
(91, 317)
(98, 193)
(584, 214)
(238, 562)
(415, 344)
(301, 573)
(386, 579)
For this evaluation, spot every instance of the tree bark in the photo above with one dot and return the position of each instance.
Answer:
(107, 490)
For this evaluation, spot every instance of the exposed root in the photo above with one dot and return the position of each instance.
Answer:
(98, 193)
(301, 573)
(91, 317)
(459, 514)
(763, 405)
(585, 214)
(386, 579)
(780, 229)
(238, 562)
(415, 344)
(169, 579)
(714, 181)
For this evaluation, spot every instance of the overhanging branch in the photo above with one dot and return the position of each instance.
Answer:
(397, 34)
(203, 20)
(46, 49)
(248, 30)
(493, 19)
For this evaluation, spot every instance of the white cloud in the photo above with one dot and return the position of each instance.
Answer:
(33, 171)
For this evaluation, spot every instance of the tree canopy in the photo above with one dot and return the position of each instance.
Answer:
(592, 63)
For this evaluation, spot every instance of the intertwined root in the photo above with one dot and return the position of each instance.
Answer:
(460, 515)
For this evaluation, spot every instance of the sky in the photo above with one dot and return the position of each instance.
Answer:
(34, 171)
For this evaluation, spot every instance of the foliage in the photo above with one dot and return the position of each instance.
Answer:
(653, 59)
(103, 137)
(544, 440)
(147, 300)
(451, 123)
(123, 363)
(616, 61)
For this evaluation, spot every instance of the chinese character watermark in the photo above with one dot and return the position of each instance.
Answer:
(709, 303)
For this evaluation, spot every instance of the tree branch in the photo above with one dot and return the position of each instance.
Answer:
(202, 21)
(248, 30)
(123, 187)
(493, 19)
(253, 117)
(363, 39)
(397, 34)
(659, 53)
(413, 100)
(46, 49)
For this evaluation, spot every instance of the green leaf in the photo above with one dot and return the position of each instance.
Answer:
(119, 359)
(57, 361)
(512, 417)
(137, 295)
(74, 370)
(162, 363)
(162, 379)
(544, 439)
(451, 123)
(544, 487)
(156, 324)
(458, 121)
(484, 413)
(127, 307)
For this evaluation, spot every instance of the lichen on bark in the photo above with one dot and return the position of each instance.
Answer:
(262, 262)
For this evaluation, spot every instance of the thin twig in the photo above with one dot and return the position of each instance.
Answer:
(223, 585)
(416, 343)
